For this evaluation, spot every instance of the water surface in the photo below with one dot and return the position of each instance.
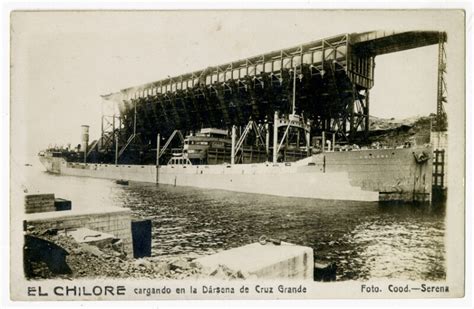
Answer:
(365, 239)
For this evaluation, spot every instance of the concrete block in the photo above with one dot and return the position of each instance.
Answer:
(93, 220)
(39, 203)
(269, 261)
(324, 271)
(141, 237)
(62, 204)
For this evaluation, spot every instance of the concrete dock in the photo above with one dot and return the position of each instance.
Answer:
(111, 220)
(267, 261)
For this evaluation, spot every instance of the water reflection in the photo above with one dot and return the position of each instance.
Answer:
(366, 240)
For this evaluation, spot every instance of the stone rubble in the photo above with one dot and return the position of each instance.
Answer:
(90, 261)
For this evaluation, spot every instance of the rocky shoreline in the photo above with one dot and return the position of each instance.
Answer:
(86, 261)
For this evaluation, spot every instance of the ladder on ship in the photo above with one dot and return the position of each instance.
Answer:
(439, 181)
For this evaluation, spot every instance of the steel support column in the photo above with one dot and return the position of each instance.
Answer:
(441, 124)
(367, 115)
(275, 137)
(158, 158)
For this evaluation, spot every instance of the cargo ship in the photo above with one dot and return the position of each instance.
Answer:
(370, 174)
(291, 123)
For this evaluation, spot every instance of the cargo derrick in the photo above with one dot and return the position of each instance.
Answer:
(333, 80)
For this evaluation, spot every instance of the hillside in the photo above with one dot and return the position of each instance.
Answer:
(394, 132)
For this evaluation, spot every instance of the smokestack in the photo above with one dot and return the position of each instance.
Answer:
(85, 138)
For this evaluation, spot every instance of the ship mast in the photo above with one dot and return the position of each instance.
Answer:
(294, 91)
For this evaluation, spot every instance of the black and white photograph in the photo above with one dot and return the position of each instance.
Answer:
(237, 154)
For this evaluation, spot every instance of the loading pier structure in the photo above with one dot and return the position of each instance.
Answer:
(330, 79)
(296, 120)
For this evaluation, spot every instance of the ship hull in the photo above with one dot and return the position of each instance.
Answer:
(365, 175)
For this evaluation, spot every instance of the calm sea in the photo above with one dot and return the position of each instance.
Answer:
(365, 239)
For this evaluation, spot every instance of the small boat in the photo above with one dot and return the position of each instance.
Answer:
(122, 182)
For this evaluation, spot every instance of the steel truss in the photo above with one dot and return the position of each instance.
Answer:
(332, 87)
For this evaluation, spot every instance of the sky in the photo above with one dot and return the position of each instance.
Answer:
(63, 61)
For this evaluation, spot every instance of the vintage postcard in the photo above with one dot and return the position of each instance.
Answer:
(237, 154)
